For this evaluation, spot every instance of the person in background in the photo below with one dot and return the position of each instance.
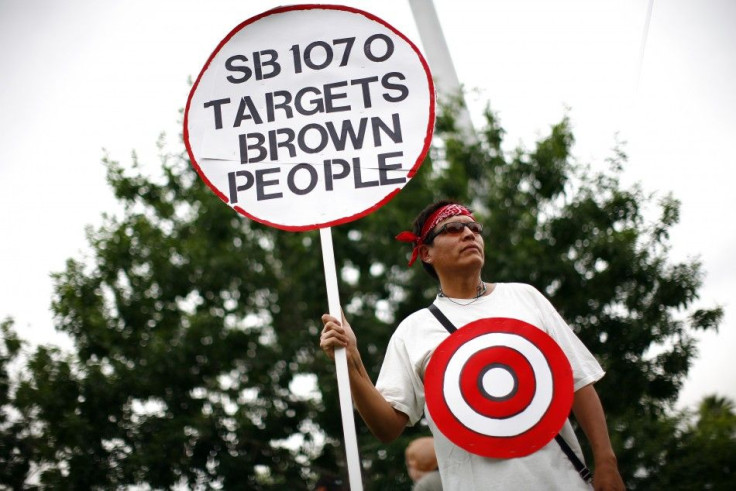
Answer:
(421, 464)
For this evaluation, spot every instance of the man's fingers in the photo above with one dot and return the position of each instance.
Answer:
(328, 318)
(338, 336)
(331, 324)
(333, 336)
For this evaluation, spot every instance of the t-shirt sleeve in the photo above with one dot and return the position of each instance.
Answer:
(399, 380)
(585, 368)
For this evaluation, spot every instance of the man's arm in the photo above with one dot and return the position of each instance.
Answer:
(589, 414)
(385, 422)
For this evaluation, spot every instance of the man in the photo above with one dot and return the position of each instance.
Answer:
(421, 464)
(447, 240)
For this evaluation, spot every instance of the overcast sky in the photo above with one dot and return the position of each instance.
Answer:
(81, 76)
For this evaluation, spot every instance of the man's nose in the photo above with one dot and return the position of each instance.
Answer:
(467, 232)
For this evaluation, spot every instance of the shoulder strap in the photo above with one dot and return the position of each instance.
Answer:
(442, 318)
(579, 466)
(576, 462)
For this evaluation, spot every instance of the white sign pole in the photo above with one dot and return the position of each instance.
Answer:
(341, 364)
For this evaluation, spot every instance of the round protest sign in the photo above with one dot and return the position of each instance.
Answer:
(309, 116)
(499, 388)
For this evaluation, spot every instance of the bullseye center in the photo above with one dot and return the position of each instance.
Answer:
(498, 382)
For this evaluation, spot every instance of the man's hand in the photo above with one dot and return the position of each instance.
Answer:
(589, 413)
(336, 334)
(382, 419)
(607, 478)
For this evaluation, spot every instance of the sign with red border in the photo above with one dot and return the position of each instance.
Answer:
(309, 116)
(499, 388)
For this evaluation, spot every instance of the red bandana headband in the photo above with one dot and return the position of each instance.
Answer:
(440, 214)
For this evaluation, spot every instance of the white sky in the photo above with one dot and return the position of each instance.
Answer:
(82, 75)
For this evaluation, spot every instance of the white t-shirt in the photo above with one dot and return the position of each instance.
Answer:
(401, 383)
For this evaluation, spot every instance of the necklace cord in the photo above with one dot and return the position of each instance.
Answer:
(480, 291)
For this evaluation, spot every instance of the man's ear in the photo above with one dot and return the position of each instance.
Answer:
(425, 254)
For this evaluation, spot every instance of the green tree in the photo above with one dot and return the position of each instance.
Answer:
(192, 326)
(698, 455)
(189, 325)
(16, 444)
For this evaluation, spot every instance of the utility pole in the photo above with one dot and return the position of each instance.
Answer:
(440, 62)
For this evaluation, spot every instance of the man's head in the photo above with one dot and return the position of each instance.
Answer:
(437, 219)
(420, 457)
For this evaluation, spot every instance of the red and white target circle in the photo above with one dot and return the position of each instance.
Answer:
(499, 388)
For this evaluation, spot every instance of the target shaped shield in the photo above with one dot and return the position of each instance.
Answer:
(499, 388)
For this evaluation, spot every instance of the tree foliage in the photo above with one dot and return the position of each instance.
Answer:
(195, 329)
(699, 454)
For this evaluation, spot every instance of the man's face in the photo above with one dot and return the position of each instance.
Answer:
(452, 249)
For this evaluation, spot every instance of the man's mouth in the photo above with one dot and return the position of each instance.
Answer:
(471, 247)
